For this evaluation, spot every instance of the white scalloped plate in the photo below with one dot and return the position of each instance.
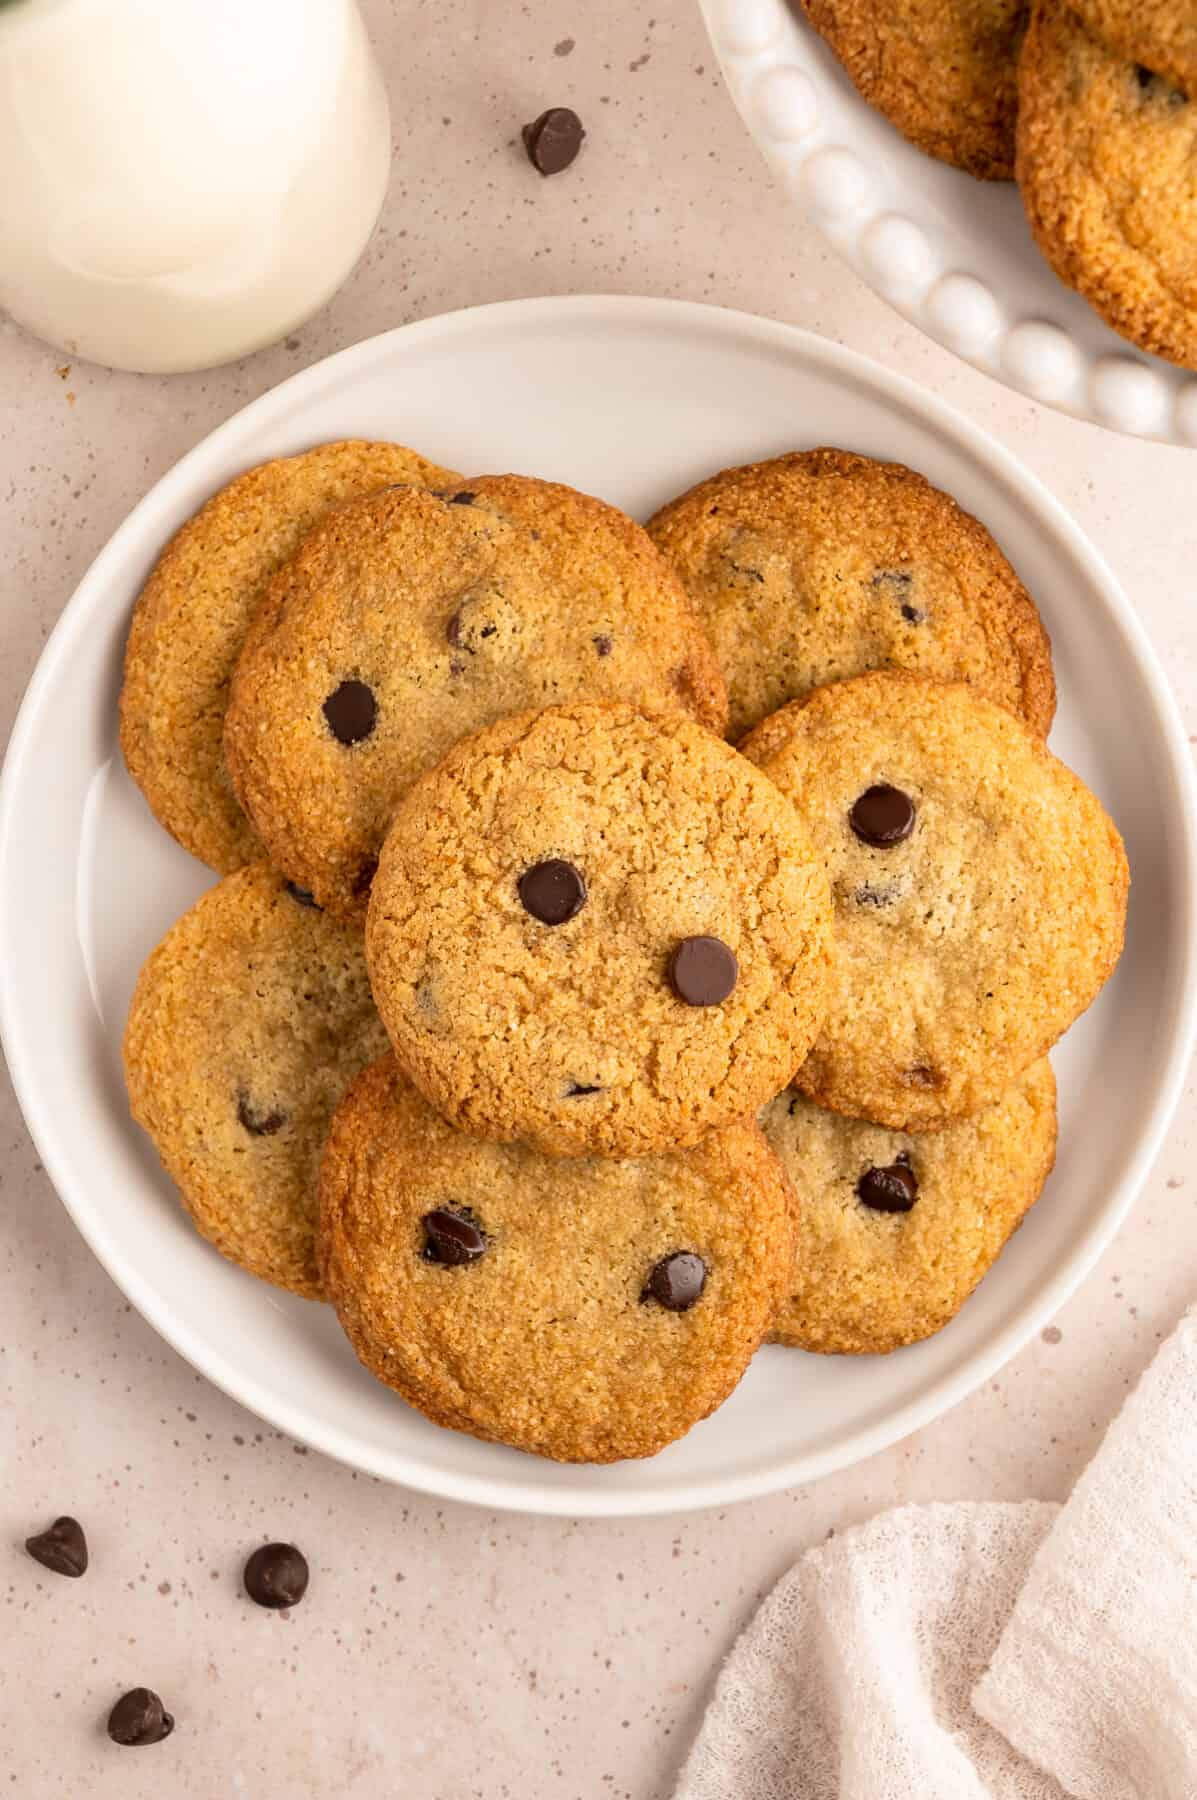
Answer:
(634, 400)
(953, 255)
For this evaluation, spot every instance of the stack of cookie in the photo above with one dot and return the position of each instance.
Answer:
(513, 949)
(1085, 102)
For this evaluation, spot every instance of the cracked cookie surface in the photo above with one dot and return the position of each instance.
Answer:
(599, 931)
(409, 620)
(247, 1023)
(979, 889)
(823, 564)
(583, 1310)
(1159, 35)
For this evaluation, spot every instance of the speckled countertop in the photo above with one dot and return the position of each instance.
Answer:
(443, 1652)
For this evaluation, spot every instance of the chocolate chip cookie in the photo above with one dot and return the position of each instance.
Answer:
(1158, 35)
(598, 931)
(979, 887)
(895, 1232)
(942, 71)
(823, 564)
(192, 617)
(1107, 163)
(408, 620)
(584, 1310)
(247, 1024)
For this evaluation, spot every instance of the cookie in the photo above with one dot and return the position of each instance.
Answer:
(584, 1310)
(895, 1232)
(942, 71)
(248, 1022)
(1107, 163)
(979, 888)
(1159, 35)
(821, 565)
(191, 619)
(409, 620)
(599, 931)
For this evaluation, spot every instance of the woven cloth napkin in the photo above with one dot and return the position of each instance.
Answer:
(984, 1651)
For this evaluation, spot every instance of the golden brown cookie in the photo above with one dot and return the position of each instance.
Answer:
(942, 71)
(895, 1232)
(191, 619)
(248, 1022)
(598, 931)
(1159, 35)
(820, 565)
(409, 620)
(979, 889)
(1107, 164)
(581, 1310)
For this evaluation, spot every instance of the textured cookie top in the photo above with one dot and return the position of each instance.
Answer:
(407, 621)
(598, 931)
(247, 1023)
(192, 617)
(895, 1231)
(1107, 163)
(821, 565)
(942, 71)
(1160, 35)
(979, 889)
(582, 1310)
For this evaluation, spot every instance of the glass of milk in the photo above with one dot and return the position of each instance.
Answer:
(183, 181)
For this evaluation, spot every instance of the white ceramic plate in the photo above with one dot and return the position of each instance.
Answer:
(633, 400)
(953, 255)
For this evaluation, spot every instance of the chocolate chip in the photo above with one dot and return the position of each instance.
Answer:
(465, 498)
(453, 629)
(703, 971)
(302, 895)
(351, 711)
(553, 140)
(139, 1717)
(603, 644)
(552, 891)
(676, 1281)
(453, 1236)
(750, 574)
(921, 1076)
(577, 1088)
(893, 1189)
(256, 1121)
(276, 1575)
(62, 1549)
(914, 615)
(1158, 87)
(1143, 76)
(882, 816)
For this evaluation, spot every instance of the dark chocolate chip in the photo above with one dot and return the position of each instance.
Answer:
(882, 816)
(1143, 76)
(552, 891)
(603, 644)
(893, 1189)
(351, 711)
(703, 971)
(453, 1237)
(914, 615)
(62, 1549)
(139, 1717)
(676, 1281)
(276, 1575)
(257, 1122)
(302, 895)
(465, 498)
(1159, 87)
(576, 1088)
(553, 140)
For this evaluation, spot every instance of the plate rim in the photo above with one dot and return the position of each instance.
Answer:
(938, 1395)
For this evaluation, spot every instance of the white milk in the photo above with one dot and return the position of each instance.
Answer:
(183, 181)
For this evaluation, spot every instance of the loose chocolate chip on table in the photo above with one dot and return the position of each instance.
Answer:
(882, 816)
(350, 712)
(302, 895)
(276, 1575)
(603, 644)
(256, 1120)
(62, 1549)
(552, 891)
(453, 1237)
(677, 1281)
(894, 1189)
(703, 971)
(553, 140)
(139, 1717)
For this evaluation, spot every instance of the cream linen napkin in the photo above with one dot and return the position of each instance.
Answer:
(986, 1652)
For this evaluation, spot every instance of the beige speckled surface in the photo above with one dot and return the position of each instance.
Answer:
(445, 1653)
